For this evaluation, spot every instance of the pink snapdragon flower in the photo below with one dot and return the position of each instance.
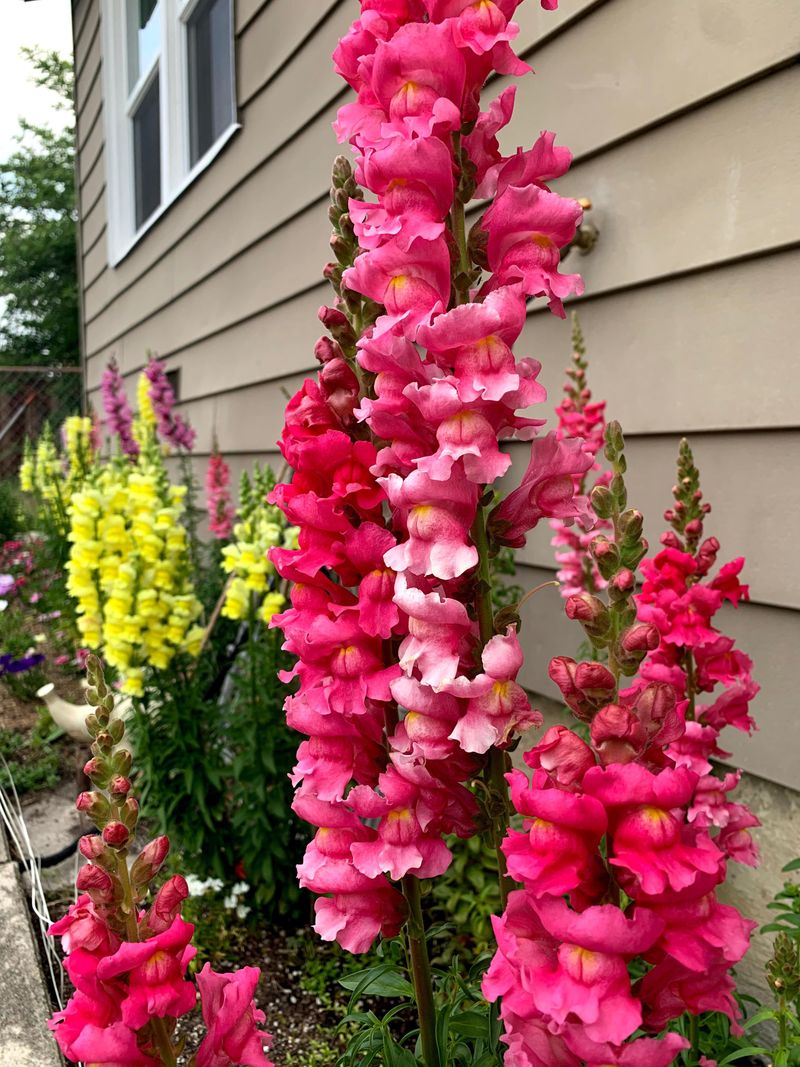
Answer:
(119, 417)
(172, 429)
(218, 497)
(231, 1020)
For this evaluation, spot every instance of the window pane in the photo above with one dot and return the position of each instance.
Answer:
(144, 37)
(147, 153)
(211, 104)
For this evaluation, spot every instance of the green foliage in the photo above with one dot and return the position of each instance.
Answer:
(468, 1029)
(32, 758)
(38, 262)
(177, 737)
(467, 895)
(269, 838)
(213, 755)
(11, 517)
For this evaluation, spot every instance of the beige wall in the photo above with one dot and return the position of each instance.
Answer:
(680, 116)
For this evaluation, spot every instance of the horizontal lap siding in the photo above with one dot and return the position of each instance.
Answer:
(677, 114)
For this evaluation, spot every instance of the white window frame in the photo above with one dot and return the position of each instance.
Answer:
(172, 65)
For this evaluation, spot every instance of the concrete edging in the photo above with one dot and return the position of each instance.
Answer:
(25, 1005)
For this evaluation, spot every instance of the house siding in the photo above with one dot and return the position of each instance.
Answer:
(679, 116)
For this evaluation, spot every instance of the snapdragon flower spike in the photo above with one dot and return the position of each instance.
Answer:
(712, 677)
(218, 496)
(394, 447)
(128, 960)
(621, 849)
(119, 417)
(580, 417)
(172, 429)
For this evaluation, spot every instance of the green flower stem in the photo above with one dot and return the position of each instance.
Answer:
(694, 1038)
(691, 686)
(497, 765)
(421, 972)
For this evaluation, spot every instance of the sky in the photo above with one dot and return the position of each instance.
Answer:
(45, 23)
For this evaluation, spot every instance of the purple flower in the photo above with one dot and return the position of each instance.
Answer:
(9, 665)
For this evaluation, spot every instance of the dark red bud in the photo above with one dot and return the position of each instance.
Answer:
(96, 882)
(585, 608)
(332, 318)
(624, 581)
(120, 785)
(641, 637)
(325, 349)
(694, 528)
(91, 846)
(116, 834)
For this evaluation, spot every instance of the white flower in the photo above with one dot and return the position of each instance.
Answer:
(242, 911)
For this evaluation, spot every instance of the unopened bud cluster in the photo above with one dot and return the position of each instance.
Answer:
(613, 626)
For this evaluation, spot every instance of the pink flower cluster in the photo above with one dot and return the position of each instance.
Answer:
(127, 961)
(680, 599)
(122, 985)
(172, 428)
(583, 418)
(119, 418)
(401, 692)
(218, 497)
(617, 862)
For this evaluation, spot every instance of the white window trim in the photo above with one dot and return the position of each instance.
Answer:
(176, 172)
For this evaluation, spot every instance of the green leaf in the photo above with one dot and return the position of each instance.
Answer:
(382, 981)
(759, 1017)
(739, 1054)
(471, 1024)
(793, 865)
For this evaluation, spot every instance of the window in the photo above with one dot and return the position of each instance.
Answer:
(169, 104)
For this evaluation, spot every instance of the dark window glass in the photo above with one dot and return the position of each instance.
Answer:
(147, 153)
(211, 105)
(174, 379)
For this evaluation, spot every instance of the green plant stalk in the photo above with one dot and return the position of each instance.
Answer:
(251, 652)
(496, 767)
(694, 1038)
(783, 1029)
(691, 687)
(159, 1029)
(421, 972)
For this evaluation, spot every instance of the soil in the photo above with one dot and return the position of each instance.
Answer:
(297, 1020)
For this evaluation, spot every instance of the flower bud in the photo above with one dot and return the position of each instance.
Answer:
(656, 708)
(149, 861)
(130, 812)
(617, 734)
(623, 583)
(91, 846)
(95, 805)
(601, 501)
(670, 540)
(693, 528)
(117, 730)
(478, 243)
(335, 322)
(325, 350)
(116, 834)
(121, 763)
(584, 686)
(120, 786)
(104, 741)
(641, 637)
(590, 612)
(631, 524)
(165, 907)
(99, 884)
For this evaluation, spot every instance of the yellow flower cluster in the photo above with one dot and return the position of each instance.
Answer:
(79, 449)
(129, 569)
(41, 470)
(261, 526)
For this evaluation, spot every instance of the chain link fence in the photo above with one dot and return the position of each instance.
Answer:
(31, 396)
